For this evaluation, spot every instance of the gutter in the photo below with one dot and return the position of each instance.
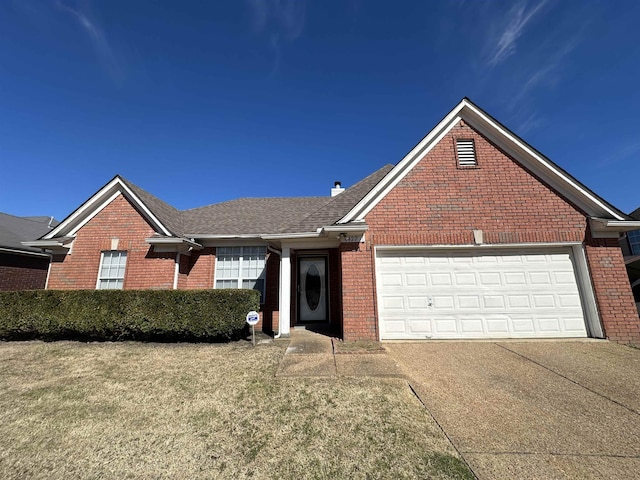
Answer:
(24, 252)
(279, 253)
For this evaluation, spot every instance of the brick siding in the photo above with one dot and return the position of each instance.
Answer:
(22, 272)
(440, 203)
(145, 269)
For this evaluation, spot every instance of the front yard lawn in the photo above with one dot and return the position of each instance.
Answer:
(188, 411)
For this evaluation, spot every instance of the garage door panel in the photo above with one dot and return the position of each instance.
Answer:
(471, 295)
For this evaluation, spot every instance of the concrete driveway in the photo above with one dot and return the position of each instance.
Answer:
(538, 409)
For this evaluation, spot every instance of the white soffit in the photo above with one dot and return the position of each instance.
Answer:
(515, 147)
(99, 201)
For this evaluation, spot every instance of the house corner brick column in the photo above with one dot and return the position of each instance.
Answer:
(358, 293)
(617, 309)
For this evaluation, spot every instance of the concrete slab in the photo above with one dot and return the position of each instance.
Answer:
(552, 467)
(370, 365)
(505, 412)
(610, 369)
(305, 342)
(313, 365)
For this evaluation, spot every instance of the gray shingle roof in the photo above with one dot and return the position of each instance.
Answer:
(635, 214)
(249, 215)
(169, 216)
(14, 230)
(254, 216)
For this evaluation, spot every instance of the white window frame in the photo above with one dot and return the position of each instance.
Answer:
(244, 249)
(124, 271)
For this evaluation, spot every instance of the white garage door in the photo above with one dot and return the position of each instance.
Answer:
(467, 294)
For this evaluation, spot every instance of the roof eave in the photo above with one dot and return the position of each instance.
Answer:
(517, 148)
(607, 228)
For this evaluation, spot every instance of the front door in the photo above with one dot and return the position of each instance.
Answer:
(312, 289)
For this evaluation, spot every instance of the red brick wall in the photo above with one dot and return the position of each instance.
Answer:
(440, 203)
(119, 219)
(358, 293)
(197, 270)
(613, 293)
(22, 272)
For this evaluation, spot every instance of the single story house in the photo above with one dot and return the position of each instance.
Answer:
(23, 267)
(473, 234)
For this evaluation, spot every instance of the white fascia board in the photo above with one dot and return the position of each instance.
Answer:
(514, 146)
(397, 173)
(24, 252)
(96, 203)
(347, 228)
(546, 169)
(606, 228)
(173, 241)
(55, 242)
(206, 236)
(286, 236)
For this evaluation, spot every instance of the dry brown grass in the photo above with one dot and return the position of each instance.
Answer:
(131, 410)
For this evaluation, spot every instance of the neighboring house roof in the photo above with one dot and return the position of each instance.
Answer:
(14, 230)
(635, 214)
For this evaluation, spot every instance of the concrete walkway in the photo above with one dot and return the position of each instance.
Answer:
(533, 410)
(314, 355)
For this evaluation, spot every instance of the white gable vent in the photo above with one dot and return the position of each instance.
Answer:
(466, 153)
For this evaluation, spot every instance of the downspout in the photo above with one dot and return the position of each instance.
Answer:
(176, 271)
(279, 253)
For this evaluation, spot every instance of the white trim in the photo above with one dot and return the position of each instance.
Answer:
(286, 236)
(589, 304)
(99, 201)
(46, 282)
(397, 173)
(24, 252)
(93, 213)
(176, 271)
(99, 268)
(484, 246)
(284, 303)
(347, 228)
(203, 236)
(605, 228)
(124, 274)
(514, 146)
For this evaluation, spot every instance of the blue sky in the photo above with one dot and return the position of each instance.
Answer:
(200, 102)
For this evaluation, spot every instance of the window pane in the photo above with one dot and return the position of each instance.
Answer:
(111, 272)
(226, 284)
(255, 285)
(634, 241)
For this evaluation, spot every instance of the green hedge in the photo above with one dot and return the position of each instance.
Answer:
(158, 315)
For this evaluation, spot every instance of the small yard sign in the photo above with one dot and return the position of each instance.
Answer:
(252, 319)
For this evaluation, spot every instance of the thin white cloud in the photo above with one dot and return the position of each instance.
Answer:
(278, 20)
(98, 39)
(530, 123)
(517, 19)
(623, 152)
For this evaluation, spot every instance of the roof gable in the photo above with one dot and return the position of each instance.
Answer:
(532, 160)
(153, 211)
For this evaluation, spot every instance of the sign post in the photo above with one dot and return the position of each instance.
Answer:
(252, 319)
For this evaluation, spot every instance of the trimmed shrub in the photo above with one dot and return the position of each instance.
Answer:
(159, 315)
